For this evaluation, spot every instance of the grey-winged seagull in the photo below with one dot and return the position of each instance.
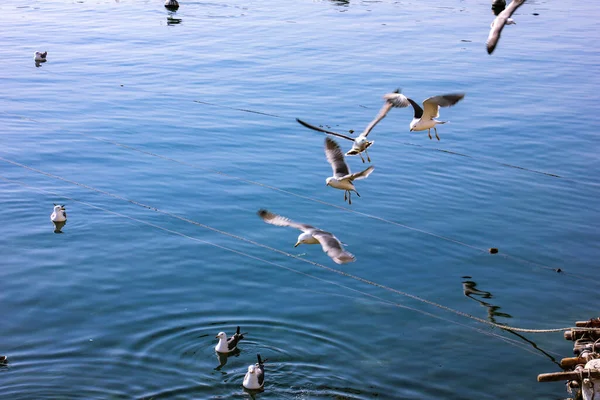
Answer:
(342, 178)
(502, 18)
(255, 377)
(228, 345)
(360, 143)
(425, 118)
(311, 235)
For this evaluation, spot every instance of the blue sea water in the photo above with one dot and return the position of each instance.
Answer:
(164, 133)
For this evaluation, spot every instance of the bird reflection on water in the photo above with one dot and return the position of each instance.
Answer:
(58, 225)
(470, 290)
(222, 357)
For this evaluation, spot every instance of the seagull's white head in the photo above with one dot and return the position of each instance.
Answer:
(58, 209)
(221, 335)
(251, 369)
(329, 180)
(413, 123)
(305, 237)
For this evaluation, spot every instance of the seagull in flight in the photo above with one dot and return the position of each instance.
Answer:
(360, 143)
(311, 235)
(342, 178)
(425, 118)
(503, 15)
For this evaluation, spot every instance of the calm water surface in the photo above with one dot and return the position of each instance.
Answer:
(193, 113)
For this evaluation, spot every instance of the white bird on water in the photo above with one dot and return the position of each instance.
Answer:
(503, 15)
(228, 345)
(311, 235)
(342, 178)
(425, 118)
(59, 214)
(39, 56)
(255, 377)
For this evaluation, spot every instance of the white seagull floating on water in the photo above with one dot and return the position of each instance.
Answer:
(311, 235)
(342, 178)
(502, 18)
(425, 118)
(39, 56)
(255, 377)
(59, 214)
(228, 345)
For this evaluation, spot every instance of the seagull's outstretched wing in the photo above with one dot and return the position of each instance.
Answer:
(336, 158)
(333, 247)
(499, 23)
(392, 100)
(316, 128)
(362, 174)
(278, 220)
(431, 106)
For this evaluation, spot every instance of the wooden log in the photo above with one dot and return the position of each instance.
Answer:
(575, 334)
(569, 375)
(592, 323)
(570, 362)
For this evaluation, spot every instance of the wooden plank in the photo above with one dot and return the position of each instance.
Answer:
(569, 375)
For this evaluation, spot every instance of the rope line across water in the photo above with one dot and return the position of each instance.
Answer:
(339, 272)
(508, 340)
(274, 188)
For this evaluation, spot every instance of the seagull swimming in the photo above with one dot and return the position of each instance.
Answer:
(255, 377)
(342, 178)
(311, 235)
(425, 118)
(59, 214)
(360, 143)
(228, 345)
(502, 18)
(40, 57)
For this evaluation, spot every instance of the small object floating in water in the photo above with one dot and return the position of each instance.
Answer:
(493, 250)
(3, 359)
(40, 57)
(228, 345)
(255, 377)
(311, 235)
(536, 14)
(59, 214)
(171, 5)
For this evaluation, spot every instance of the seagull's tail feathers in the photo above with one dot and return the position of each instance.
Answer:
(260, 360)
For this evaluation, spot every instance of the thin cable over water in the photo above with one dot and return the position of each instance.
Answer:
(503, 254)
(377, 298)
(339, 272)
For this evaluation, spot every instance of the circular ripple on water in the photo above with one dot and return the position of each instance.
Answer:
(177, 358)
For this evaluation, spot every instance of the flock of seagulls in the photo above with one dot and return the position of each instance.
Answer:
(424, 118)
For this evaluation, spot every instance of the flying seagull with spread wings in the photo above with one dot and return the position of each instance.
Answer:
(360, 143)
(503, 17)
(342, 178)
(311, 235)
(425, 118)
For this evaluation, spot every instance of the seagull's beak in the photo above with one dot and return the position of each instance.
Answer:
(297, 244)
(217, 336)
(411, 129)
